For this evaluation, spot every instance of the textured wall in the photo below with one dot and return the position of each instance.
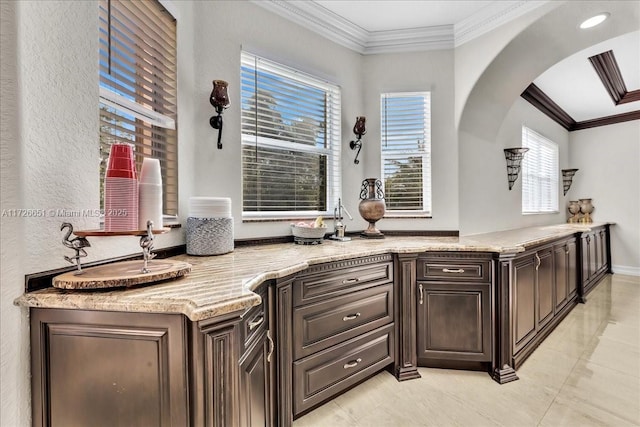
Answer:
(14, 347)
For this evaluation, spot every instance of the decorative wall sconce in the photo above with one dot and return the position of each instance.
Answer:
(359, 130)
(567, 178)
(514, 158)
(220, 100)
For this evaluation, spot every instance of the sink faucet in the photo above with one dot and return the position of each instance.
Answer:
(338, 225)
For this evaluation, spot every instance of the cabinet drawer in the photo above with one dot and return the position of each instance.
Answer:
(254, 322)
(325, 374)
(450, 269)
(323, 324)
(323, 285)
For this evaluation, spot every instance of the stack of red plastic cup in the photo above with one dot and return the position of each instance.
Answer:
(121, 190)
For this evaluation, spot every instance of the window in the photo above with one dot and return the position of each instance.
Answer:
(290, 141)
(406, 152)
(539, 173)
(138, 87)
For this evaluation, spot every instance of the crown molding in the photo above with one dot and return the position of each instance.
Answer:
(608, 70)
(491, 17)
(332, 26)
(546, 105)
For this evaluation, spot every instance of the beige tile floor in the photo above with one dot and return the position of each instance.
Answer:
(586, 373)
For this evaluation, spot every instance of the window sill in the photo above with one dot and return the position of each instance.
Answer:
(407, 216)
(540, 213)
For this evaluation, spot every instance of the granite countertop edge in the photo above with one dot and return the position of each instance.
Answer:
(224, 284)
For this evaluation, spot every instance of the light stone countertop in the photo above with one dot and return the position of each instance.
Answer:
(223, 284)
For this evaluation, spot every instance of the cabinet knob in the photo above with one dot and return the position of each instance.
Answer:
(352, 364)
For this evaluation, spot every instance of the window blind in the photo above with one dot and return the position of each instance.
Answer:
(539, 173)
(138, 87)
(406, 151)
(290, 140)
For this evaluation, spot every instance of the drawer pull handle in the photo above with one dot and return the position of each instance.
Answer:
(254, 323)
(538, 262)
(447, 270)
(352, 364)
(421, 289)
(348, 281)
(351, 317)
(271, 346)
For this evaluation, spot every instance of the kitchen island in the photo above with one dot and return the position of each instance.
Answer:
(213, 347)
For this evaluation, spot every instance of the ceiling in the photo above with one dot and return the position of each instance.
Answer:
(570, 92)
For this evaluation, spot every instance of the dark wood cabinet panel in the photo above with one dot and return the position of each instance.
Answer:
(340, 278)
(560, 254)
(545, 287)
(524, 298)
(105, 369)
(454, 322)
(572, 268)
(453, 269)
(326, 373)
(320, 325)
(595, 249)
(256, 384)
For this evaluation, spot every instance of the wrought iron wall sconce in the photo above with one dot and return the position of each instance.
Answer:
(514, 158)
(359, 130)
(567, 179)
(220, 100)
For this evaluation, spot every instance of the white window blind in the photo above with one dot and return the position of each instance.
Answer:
(138, 86)
(290, 140)
(406, 151)
(539, 173)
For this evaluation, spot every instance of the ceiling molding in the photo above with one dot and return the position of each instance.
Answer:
(546, 105)
(608, 70)
(491, 17)
(609, 120)
(542, 102)
(332, 26)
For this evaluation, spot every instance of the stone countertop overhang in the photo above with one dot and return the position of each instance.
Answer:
(223, 284)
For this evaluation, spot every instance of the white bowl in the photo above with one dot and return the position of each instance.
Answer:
(308, 232)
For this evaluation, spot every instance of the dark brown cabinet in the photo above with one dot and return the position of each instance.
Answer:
(335, 329)
(257, 364)
(453, 309)
(106, 369)
(565, 259)
(596, 258)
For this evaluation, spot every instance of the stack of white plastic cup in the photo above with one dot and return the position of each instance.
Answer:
(121, 190)
(150, 194)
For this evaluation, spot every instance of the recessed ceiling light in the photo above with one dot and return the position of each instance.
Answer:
(594, 20)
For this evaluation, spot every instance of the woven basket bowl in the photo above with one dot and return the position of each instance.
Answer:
(308, 232)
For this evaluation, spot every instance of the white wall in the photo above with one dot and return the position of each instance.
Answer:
(223, 29)
(408, 72)
(490, 105)
(609, 161)
(489, 205)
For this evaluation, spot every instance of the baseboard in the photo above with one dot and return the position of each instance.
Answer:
(626, 270)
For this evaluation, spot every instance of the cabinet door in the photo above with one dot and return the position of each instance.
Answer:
(524, 301)
(454, 321)
(602, 244)
(586, 253)
(561, 260)
(572, 269)
(593, 254)
(95, 368)
(256, 383)
(545, 286)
